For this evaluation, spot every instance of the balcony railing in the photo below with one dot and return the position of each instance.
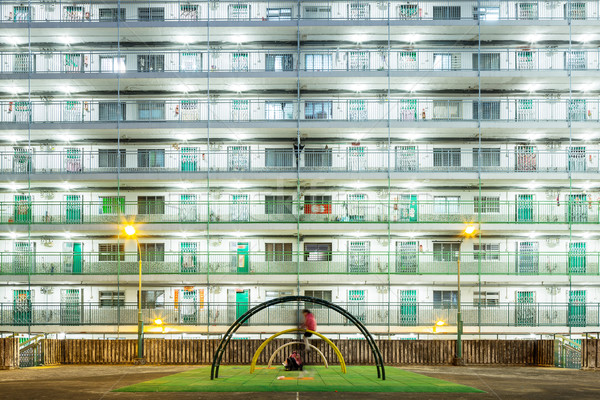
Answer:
(313, 62)
(374, 314)
(581, 209)
(277, 11)
(280, 263)
(313, 111)
(240, 158)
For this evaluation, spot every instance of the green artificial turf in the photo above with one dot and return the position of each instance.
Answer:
(358, 379)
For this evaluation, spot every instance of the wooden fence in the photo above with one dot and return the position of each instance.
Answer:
(9, 353)
(355, 352)
(590, 354)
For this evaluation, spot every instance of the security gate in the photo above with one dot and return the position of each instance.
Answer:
(73, 209)
(577, 258)
(406, 208)
(577, 308)
(188, 258)
(406, 158)
(408, 308)
(357, 211)
(188, 211)
(525, 158)
(577, 159)
(24, 258)
(22, 160)
(525, 309)
(22, 311)
(358, 257)
(406, 257)
(238, 158)
(22, 210)
(188, 306)
(189, 159)
(240, 208)
(528, 258)
(70, 310)
(524, 209)
(357, 158)
(356, 301)
(577, 210)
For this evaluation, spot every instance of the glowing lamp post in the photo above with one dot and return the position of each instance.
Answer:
(130, 231)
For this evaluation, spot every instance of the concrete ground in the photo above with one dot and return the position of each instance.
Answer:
(97, 382)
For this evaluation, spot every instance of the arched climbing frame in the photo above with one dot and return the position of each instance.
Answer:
(266, 342)
(214, 371)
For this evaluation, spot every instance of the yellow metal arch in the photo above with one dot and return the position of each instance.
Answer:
(266, 342)
(292, 343)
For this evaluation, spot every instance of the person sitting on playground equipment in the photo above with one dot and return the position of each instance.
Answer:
(309, 323)
(293, 362)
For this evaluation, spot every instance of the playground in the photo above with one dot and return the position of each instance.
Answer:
(311, 379)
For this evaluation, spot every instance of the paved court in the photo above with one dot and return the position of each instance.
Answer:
(98, 382)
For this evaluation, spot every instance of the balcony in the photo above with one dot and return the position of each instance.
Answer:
(410, 159)
(407, 314)
(277, 11)
(581, 209)
(313, 63)
(499, 263)
(315, 112)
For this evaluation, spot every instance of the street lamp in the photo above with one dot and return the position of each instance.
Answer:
(458, 360)
(130, 231)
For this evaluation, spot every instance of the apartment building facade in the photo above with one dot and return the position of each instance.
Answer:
(336, 149)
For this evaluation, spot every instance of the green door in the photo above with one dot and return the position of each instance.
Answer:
(77, 258)
(406, 257)
(189, 159)
(524, 208)
(240, 258)
(577, 312)
(73, 209)
(188, 259)
(577, 258)
(22, 212)
(406, 208)
(22, 307)
(356, 304)
(242, 302)
(578, 208)
(408, 308)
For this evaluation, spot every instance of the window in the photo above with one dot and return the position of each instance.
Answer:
(278, 157)
(271, 294)
(486, 13)
(446, 12)
(112, 205)
(152, 251)
(109, 298)
(442, 61)
(107, 158)
(486, 252)
(278, 252)
(150, 62)
(445, 251)
(151, 205)
(151, 110)
(318, 110)
(317, 251)
(112, 64)
(489, 110)
(446, 205)
(151, 14)
(111, 14)
(319, 294)
(317, 12)
(279, 62)
(447, 157)
(151, 158)
(490, 157)
(486, 204)
(447, 109)
(317, 62)
(489, 61)
(279, 14)
(109, 111)
(445, 298)
(486, 298)
(279, 110)
(111, 252)
(278, 205)
(152, 299)
(317, 158)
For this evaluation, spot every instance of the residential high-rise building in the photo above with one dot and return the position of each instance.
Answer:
(336, 149)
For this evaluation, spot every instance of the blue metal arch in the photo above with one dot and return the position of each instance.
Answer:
(214, 371)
